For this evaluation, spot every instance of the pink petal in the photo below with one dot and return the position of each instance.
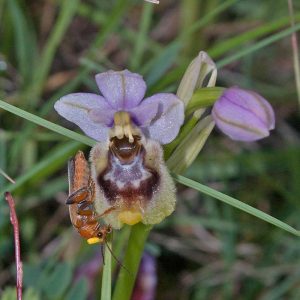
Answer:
(143, 114)
(89, 111)
(170, 116)
(122, 90)
(243, 115)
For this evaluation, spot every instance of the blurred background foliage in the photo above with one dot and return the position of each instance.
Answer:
(206, 249)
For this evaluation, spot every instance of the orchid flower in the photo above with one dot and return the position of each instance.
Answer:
(127, 165)
(159, 117)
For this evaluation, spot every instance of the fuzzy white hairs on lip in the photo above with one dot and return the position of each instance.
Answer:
(153, 1)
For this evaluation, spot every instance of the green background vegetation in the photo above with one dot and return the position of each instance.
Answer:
(206, 249)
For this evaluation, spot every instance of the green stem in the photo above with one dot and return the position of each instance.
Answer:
(106, 277)
(119, 245)
(203, 97)
(125, 283)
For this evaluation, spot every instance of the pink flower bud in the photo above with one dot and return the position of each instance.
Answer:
(243, 115)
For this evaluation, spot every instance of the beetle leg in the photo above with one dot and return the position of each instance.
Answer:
(78, 196)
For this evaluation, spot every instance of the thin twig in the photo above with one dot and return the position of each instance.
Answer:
(7, 176)
(295, 48)
(15, 223)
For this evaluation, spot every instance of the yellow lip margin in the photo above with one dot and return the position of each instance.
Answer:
(130, 217)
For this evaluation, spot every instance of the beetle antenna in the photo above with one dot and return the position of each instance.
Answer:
(119, 263)
(102, 254)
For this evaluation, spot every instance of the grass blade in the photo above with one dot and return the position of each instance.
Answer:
(295, 49)
(235, 203)
(51, 161)
(257, 46)
(68, 9)
(47, 124)
(110, 24)
(25, 44)
(28, 128)
(141, 39)
(225, 46)
(157, 67)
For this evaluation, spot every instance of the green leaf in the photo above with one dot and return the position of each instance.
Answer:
(79, 291)
(56, 283)
(31, 274)
(31, 294)
(9, 293)
(235, 203)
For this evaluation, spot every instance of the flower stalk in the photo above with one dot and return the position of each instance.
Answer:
(106, 277)
(136, 243)
(203, 98)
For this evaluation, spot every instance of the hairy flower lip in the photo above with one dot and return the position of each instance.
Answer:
(159, 116)
(140, 190)
(243, 115)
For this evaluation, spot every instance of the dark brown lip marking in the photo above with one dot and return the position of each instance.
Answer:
(130, 195)
(124, 150)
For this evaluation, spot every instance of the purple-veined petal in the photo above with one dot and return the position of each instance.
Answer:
(253, 102)
(123, 90)
(84, 109)
(168, 120)
(143, 114)
(243, 115)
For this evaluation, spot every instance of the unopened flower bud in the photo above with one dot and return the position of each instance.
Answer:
(201, 68)
(243, 115)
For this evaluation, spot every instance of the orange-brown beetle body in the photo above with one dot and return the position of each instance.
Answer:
(81, 201)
